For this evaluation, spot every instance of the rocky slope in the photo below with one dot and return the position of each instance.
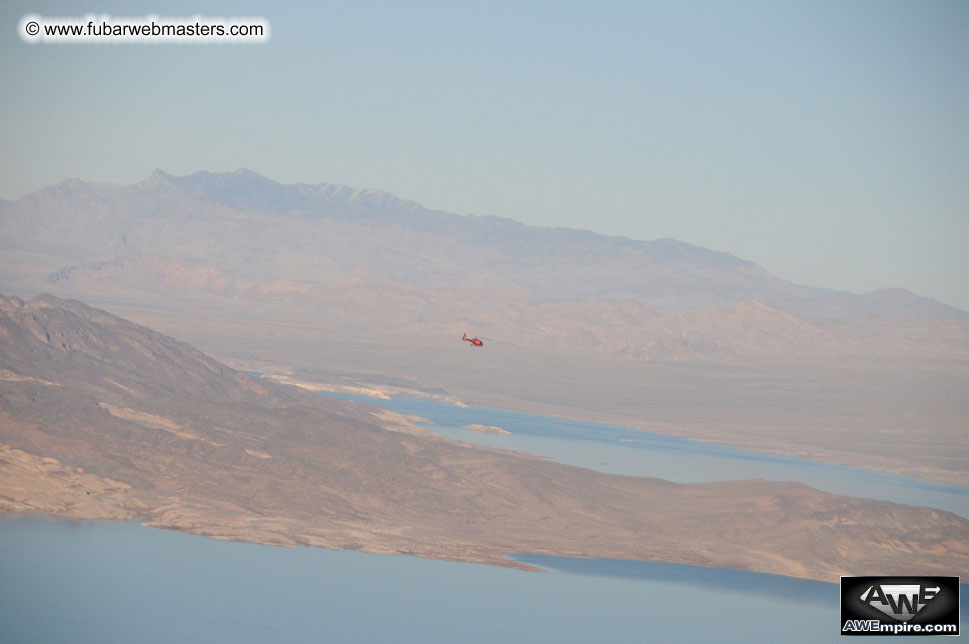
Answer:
(100, 417)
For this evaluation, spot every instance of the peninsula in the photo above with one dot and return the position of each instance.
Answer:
(103, 418)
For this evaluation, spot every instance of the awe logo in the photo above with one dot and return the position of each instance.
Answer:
(901, 601)
(900, 605)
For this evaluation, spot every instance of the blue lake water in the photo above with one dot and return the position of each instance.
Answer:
(78, 582)
(622, 450)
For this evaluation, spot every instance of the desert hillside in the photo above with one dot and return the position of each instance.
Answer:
(102, 418)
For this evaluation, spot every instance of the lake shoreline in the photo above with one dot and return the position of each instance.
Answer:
(377, 393)
(167, 586)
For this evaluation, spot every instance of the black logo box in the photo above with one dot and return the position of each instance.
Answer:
(941, 607)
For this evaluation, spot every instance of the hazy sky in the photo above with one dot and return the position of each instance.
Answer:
(826, 141)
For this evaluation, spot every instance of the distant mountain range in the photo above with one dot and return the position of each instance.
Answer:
(364, 259)
(244, 223)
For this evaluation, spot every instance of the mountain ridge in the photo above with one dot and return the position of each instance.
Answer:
(375, 233)
(622, 328)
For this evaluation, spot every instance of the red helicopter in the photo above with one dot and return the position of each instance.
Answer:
(475, 342)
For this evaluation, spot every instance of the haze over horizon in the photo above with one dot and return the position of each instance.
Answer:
(639, 285)
(826, 143)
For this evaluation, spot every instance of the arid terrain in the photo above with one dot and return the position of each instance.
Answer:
(326, 288)
(102, 418)
(342, 289)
